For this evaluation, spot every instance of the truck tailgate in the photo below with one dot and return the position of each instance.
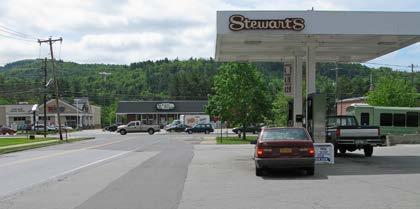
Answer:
(359, 132)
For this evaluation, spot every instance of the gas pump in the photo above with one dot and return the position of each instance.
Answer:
(316, 106)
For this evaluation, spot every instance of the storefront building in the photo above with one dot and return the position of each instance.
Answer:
(16, 116)
(158, 112)
(81, 114)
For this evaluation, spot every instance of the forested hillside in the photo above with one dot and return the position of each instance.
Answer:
(163, 79)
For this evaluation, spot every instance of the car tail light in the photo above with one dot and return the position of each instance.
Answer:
(311, 151)
(260, 152)
(337, 132)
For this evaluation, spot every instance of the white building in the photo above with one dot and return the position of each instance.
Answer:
(15, 116)
(82, 114)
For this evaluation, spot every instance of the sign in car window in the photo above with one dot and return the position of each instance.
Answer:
(324, 153)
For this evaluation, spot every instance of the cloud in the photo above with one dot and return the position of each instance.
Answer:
(124, 31)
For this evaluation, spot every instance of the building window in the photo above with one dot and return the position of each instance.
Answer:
(412, 119)
(386, 119)
(399, 120)
(19, 118)
(42, 118)
(364, 119)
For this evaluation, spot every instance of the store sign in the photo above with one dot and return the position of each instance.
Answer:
(288, 80)
(238, 22)
(53, 109)
(165, 106)
(19, 109)
(324, 153)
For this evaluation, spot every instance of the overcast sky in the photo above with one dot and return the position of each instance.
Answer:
(125, 31)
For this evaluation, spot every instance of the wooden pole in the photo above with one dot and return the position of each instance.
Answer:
(50, 41)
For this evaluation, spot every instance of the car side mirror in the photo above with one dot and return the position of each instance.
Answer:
(253, 142)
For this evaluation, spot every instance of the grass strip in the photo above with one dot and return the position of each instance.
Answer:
(235, 140)
(21, 147)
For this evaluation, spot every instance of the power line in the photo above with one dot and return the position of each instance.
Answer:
(9, 30)
(390, 65)
(16, 38)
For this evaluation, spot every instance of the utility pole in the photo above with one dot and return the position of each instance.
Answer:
(45, 97)
(412, 75)
(50, 41)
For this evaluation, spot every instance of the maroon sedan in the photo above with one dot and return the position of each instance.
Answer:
(284, 148)
(6, 130)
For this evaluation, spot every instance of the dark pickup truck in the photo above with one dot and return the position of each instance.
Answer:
(346, 135)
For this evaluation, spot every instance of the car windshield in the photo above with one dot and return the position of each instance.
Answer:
(341, 121)
(284, 134)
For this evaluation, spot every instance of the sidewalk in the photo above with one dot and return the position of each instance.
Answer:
(208, 140)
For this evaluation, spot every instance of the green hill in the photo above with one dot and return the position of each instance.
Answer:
(162, 79)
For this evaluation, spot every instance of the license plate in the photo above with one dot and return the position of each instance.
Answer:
(360, 142)
(285, 150)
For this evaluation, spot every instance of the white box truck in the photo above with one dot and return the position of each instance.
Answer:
(191, 120)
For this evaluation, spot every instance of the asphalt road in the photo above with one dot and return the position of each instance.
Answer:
(111, 171)
(176, 171)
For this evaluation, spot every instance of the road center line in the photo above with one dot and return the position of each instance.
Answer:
(59, 153)
(68, 172)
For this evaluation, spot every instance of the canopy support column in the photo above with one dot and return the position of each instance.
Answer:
(310, 70)
(297, 90)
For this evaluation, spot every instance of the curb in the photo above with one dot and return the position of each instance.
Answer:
(22, 147)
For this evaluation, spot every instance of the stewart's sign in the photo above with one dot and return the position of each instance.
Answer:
(239, 22)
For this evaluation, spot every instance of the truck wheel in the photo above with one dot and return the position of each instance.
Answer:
(151, 131)
(368, 151)
(123, 132)
(310, 171)
(258, 171)
(343, 150)
(335, 151)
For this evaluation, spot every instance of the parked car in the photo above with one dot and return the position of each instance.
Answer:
(111, 128)
(177, 128)
(251, 129)
(67, 128)
(284, 148)
(6, 130)
(200, 128)
(40, 127)
(137, 126)
(346, 135)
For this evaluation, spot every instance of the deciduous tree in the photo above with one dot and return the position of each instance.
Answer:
(239, 95)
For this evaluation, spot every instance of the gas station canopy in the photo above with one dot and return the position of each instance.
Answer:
(335, 36)
(298, 37)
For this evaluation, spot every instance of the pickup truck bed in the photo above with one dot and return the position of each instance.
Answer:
(348, 136)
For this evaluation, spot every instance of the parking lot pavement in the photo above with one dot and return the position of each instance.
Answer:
(223, 176)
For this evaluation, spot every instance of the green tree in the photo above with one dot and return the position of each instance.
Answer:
(280, 109)
(392, 91)
(239, 95)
